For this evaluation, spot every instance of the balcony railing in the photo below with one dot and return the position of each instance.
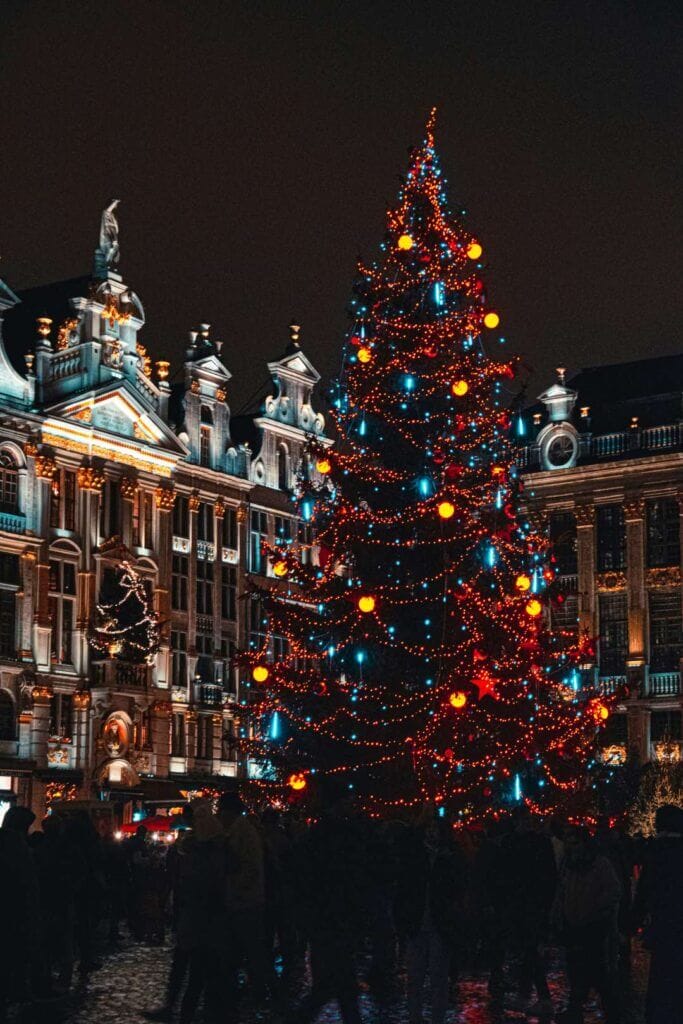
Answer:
(208, 693)
(664, 684)
(12, 522)
(610, 684)
(121, 675)
(609, 446)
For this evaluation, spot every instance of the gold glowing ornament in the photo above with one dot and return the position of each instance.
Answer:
(491, 320)
(260, 674)
(474, 250)
(457, 699)
(280, 568)
(323, 465)
(523, 582)
(446, 509)
(364, 355)
(534, 608)
(296, 781)
(405, 242)
(460, 388)
(366, 603)
(602, 712)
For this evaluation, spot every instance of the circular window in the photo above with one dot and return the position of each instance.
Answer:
(561, 450)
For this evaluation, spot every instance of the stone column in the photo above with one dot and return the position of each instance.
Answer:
(242, 624)
(129, 493)
(190, 738)
(634, 511)
(193, 505)
(81, 732)
(161, 740)
(90, 484)
(164, 499)
(45, 469)
(217, 747)
(26, 609)
(219, 511)
(585, 554)
(639, 731)
(40, 724)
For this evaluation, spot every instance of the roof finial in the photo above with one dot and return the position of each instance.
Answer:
(561, 370)
(294, 334)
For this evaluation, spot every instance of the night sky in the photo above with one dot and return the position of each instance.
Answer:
(255, 146)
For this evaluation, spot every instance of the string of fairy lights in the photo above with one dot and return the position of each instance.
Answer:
(127, 626)
(415, 658)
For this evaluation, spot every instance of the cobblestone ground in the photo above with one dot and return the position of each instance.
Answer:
(132, 979)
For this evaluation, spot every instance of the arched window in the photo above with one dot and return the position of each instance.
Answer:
(283, 468)
(6, 716)
(9, 490)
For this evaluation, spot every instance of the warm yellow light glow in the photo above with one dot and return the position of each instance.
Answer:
(260, 674)
(296, 781)
(534, 608)
(460, 388)
(523, 582)
(364, 355)
(474, 250)
(491, 320)
(446, 509)
(603, 712)
(366, 603)
(405, 242)
(458, 699)
(280, 568)
(323, 465)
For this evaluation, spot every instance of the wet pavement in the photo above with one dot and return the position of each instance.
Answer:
(132, 979)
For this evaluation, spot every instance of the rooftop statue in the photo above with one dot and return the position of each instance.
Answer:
(108, 250)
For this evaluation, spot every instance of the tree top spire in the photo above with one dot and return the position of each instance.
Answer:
(430, 128)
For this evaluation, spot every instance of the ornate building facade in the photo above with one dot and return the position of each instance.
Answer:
(602, 465)
(103, 462)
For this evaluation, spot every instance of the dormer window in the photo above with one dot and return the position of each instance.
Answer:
(205, 446)
(283, 467)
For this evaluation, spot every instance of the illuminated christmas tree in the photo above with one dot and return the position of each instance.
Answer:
(417, 662)
(126, 626)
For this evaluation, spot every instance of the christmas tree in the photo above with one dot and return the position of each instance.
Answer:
(126, 627)
(415, 659)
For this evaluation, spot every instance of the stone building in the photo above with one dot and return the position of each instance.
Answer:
(602, 464)
(102, 463)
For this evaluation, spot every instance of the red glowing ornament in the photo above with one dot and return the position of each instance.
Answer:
(452, 472)
(486, 686)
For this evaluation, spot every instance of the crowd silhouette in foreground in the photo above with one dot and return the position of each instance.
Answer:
(411, 906)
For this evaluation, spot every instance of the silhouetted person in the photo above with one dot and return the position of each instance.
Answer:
(84, 846)
(57, 886)
(428, 911)
(279, 875)
(333, 894)
(491, 894)
(585, 913)
(531, 874)
(659, 900)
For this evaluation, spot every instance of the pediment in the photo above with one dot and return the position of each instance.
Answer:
(213, 365)
(296, 362)
(118, 410)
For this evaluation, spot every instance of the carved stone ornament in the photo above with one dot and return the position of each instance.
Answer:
(190, 715)
(59, 755)
(634, 508)
(669, 576)
(194, 387)
(220, 395)
(164, 498)
(46, 467)
(30, 448)
(128, 488)
(160, 707)
(41, 694)
(81, 700)
(219, 508)
(242, 514)
(90, 479)
(611, 580)
(585, 515)
(193, 502)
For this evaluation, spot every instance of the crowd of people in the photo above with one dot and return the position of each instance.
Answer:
(250, 900)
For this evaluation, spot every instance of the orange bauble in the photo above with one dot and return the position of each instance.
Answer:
(474, 250)
(491, 320)
(280, 569)
(457, 699)
(296, 781)
(523, 582)
(364, 355)
(260, 674)
(405, 243)
(534, 608)
(446, 509)
(460, 388)
(366, 603)
(323, 465)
